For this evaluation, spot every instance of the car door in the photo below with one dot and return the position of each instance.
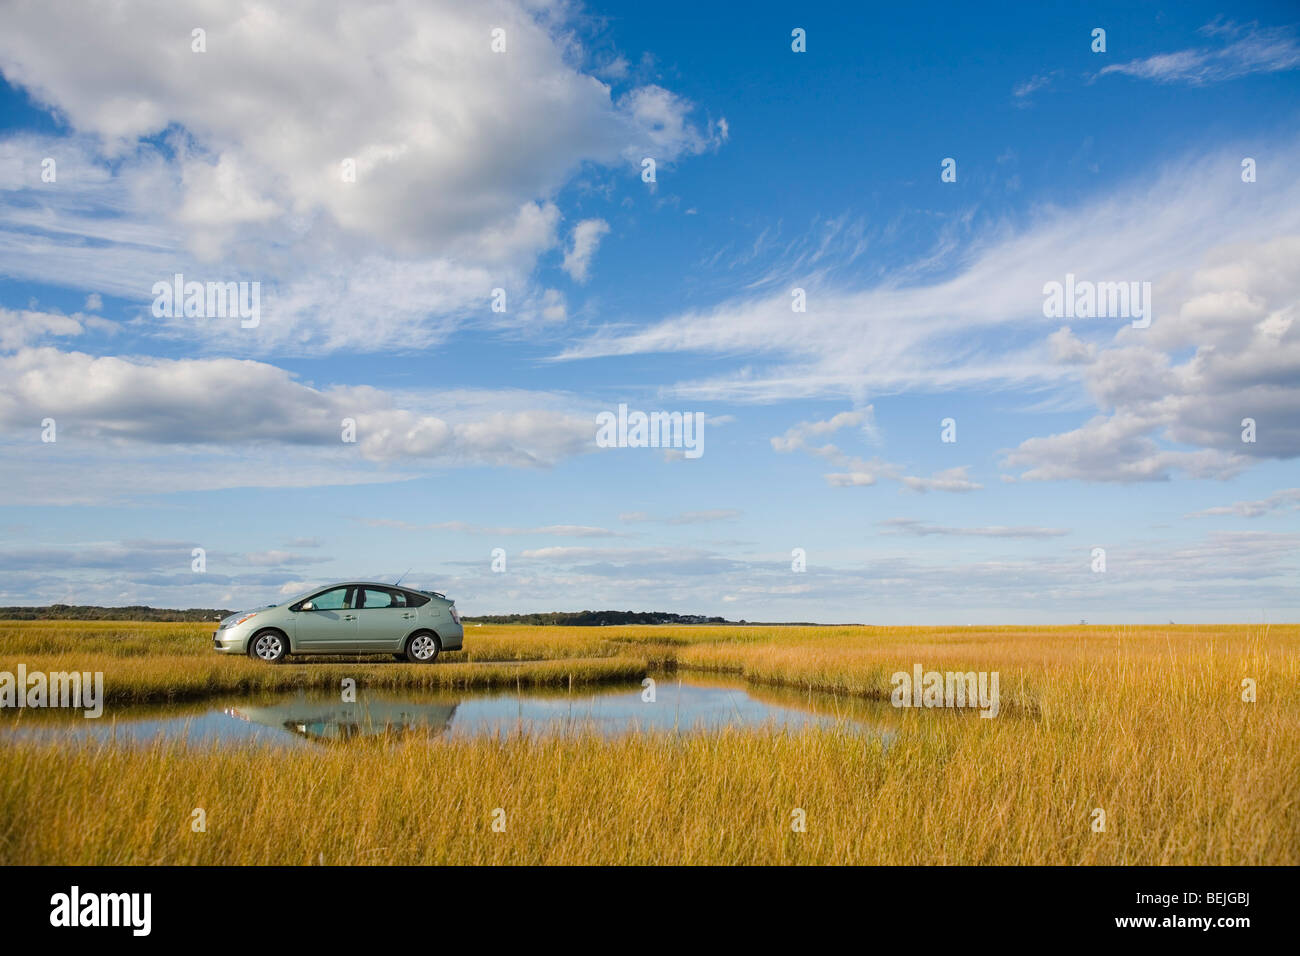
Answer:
(382, 620)
(331, 624)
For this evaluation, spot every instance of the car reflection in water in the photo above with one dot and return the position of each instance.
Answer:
(329, 721)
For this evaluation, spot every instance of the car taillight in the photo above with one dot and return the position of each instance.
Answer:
(454, 616)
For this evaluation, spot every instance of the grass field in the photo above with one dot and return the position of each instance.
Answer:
(1147, 724)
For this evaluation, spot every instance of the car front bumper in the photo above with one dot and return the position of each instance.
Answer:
(231, 641)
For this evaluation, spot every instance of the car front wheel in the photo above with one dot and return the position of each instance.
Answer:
(269, 646)
(422, 648)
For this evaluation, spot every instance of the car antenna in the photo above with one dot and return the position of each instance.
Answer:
(404, 574)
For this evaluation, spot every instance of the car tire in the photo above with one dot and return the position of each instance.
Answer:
(268, 646)
(422, 647)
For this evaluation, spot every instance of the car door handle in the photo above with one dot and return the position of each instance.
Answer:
(407, 617)
(349, 617)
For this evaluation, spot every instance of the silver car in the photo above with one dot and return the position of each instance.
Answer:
(355, 617)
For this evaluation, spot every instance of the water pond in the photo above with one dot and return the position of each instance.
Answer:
(304, 719)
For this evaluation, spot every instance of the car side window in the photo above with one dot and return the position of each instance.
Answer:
(374, 598)
(416, 600)
(335, 600)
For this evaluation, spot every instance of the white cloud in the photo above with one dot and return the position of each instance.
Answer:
(914, 527)
(850, 479)
(979, 322)
(950, 479)
(1022, 92)
(1221, 574)
(566, 554)
(26, 327)
(797, 436)
(1117, 448)
(1247, 49)
(683, 517)
(1067, 349)
(458, 153)
(552, 530)
(279, 431)
(1287, 499)
(859, 472)
(1234, 321)
(1223, 344)
(448, 137)
(1226, 575)
(659, 127)
(582, 247)
(275, 559)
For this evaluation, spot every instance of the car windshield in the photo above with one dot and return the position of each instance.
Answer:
(301, 596)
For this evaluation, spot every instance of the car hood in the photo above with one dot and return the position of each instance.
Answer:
(228, 621)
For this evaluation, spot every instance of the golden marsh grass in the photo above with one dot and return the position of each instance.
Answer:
(1146, 723)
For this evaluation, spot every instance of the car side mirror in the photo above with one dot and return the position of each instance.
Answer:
(307, 606)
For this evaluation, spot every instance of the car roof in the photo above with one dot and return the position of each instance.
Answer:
(364, 584)
(368, 584)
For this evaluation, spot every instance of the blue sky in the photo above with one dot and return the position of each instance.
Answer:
(775, 170)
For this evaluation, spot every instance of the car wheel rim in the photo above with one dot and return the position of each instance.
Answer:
(268, 648)
(422, 648)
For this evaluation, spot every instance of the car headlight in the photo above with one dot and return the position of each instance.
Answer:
(246, 617)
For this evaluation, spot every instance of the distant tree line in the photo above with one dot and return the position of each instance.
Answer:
(590, 618)
(135, 612)
(140, 612)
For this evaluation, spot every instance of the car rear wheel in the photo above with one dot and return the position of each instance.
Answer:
(269, 646)
(422, 648)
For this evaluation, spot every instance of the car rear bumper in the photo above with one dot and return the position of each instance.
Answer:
(451, 632)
